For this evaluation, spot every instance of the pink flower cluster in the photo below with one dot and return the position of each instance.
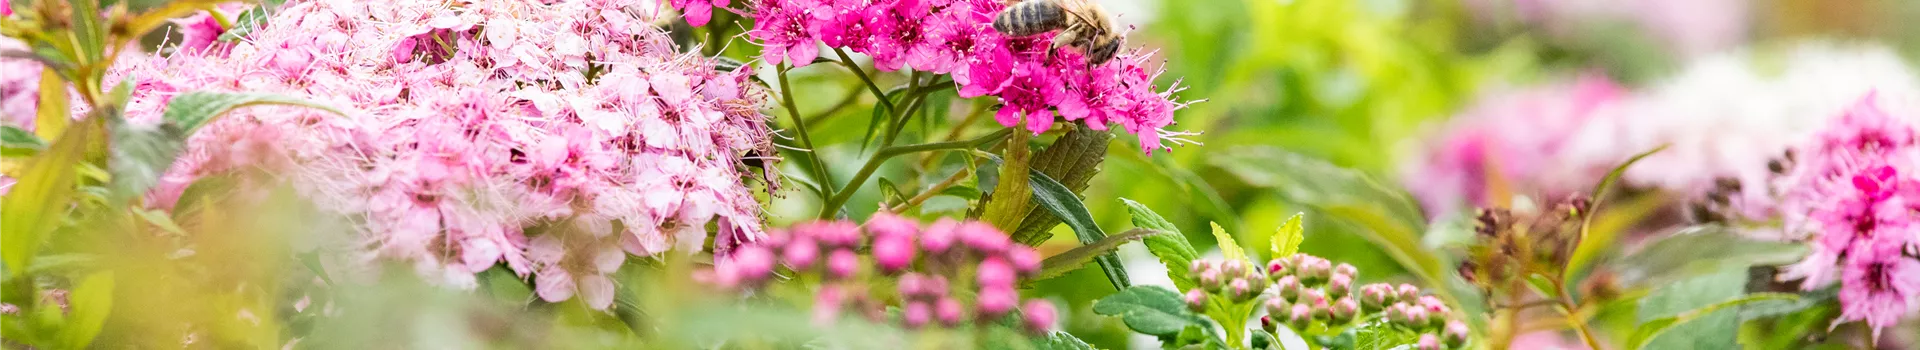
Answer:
(1515, 138)
(556, 139)
(1857, 188)
(956, 37)
(927, 266)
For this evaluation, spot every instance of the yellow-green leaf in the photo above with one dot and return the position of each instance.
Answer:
(1228, 246)
(53, 115)
(38, 202)
(91, 301)
(1286, 240)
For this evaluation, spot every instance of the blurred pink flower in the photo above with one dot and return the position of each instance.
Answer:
(1517, 137)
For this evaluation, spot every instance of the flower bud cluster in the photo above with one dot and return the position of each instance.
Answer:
(1311, 289)
(1237, 280)
(1307, 290)
(929, 269)
(1404, 306)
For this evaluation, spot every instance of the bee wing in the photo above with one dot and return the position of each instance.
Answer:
(1082, 10)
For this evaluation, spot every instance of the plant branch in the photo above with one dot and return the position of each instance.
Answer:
(932, 191)
(873, 164)
(1569, 308)
(848, 61)
(820, 173)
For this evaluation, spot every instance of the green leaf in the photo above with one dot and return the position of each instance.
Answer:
(1172, 248)
(1151, 310)
(142, 152)
(159, 220)
(39, 201)
(1228, 247)
(15, 138)
(1061, 341)
(91, 301)
(193, 110)
(1704, 331)
(1073, 259)
(1064, 204)
(1679, 255)
(1378, 335)
(966, 192)
(250, 20)
(1655, 327)
(53, 115)
(1072, 160)
(1286, 240)
(1583, 252)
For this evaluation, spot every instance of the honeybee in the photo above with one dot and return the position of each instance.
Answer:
(1083, 26)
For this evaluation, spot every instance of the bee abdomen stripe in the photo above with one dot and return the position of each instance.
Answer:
(1029, 18)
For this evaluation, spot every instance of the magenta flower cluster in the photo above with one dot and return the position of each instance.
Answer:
(553, 139)
(956, 37)
(927, 266)
(1856, 187)
(1302, 290)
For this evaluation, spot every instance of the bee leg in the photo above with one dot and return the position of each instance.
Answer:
(1066, 37)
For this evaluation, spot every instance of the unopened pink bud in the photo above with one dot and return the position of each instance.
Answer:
(842, 263)
(826, 305)
(916, 314)
(1455, 334)
(893, 253)
(912, 285)
(800, 253)
(1211, 281)
(1277, 268)
(1428, 342)
(939, 236)
(948, 311)
(995, 272)
(1240, 290)
(983, 238)
(1198, 266)
(884, 224)
(1377, 296)
(1039, 316)
(1416, 318)
(1024, 259)
(1196, 300)
(1300, 317)
(1407, 292)
(1277, 306)
(1344, 310)
(995, 301)
(1339, 286)
(1346, 269)
(1233, 268)
(1289, 287)
(1322, 310)
(752, 263)
(1267, 323)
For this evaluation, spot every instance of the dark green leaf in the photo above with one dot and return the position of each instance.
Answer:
(1073, 259)
(192, 110)
(1064, 204)
(1172, 249)
(142, 152)
(1072, 160)
(1151, 310)
(1061, 341)
(250, 20)
(1654, 328)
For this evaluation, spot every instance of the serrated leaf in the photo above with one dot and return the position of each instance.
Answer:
(1286, 240)
(250, 20)
(39, 200)
(1151, 310)
(1380, 336)
(1073, 259)
(91, 301)
(1056, 198)
(1008, 202)
(1061, 341)
(1228, 247)
(1072, 160)
(193, 110)
(1172, 248)
(1654, 328)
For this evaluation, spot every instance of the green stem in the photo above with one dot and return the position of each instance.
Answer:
(800, 127)
(848, 61)
(873, 164)
(1571, 310)
(219, 17)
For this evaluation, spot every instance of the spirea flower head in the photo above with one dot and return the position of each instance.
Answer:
(976, 280)
(1855, 188)
(1036, 85)
(563, 140)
